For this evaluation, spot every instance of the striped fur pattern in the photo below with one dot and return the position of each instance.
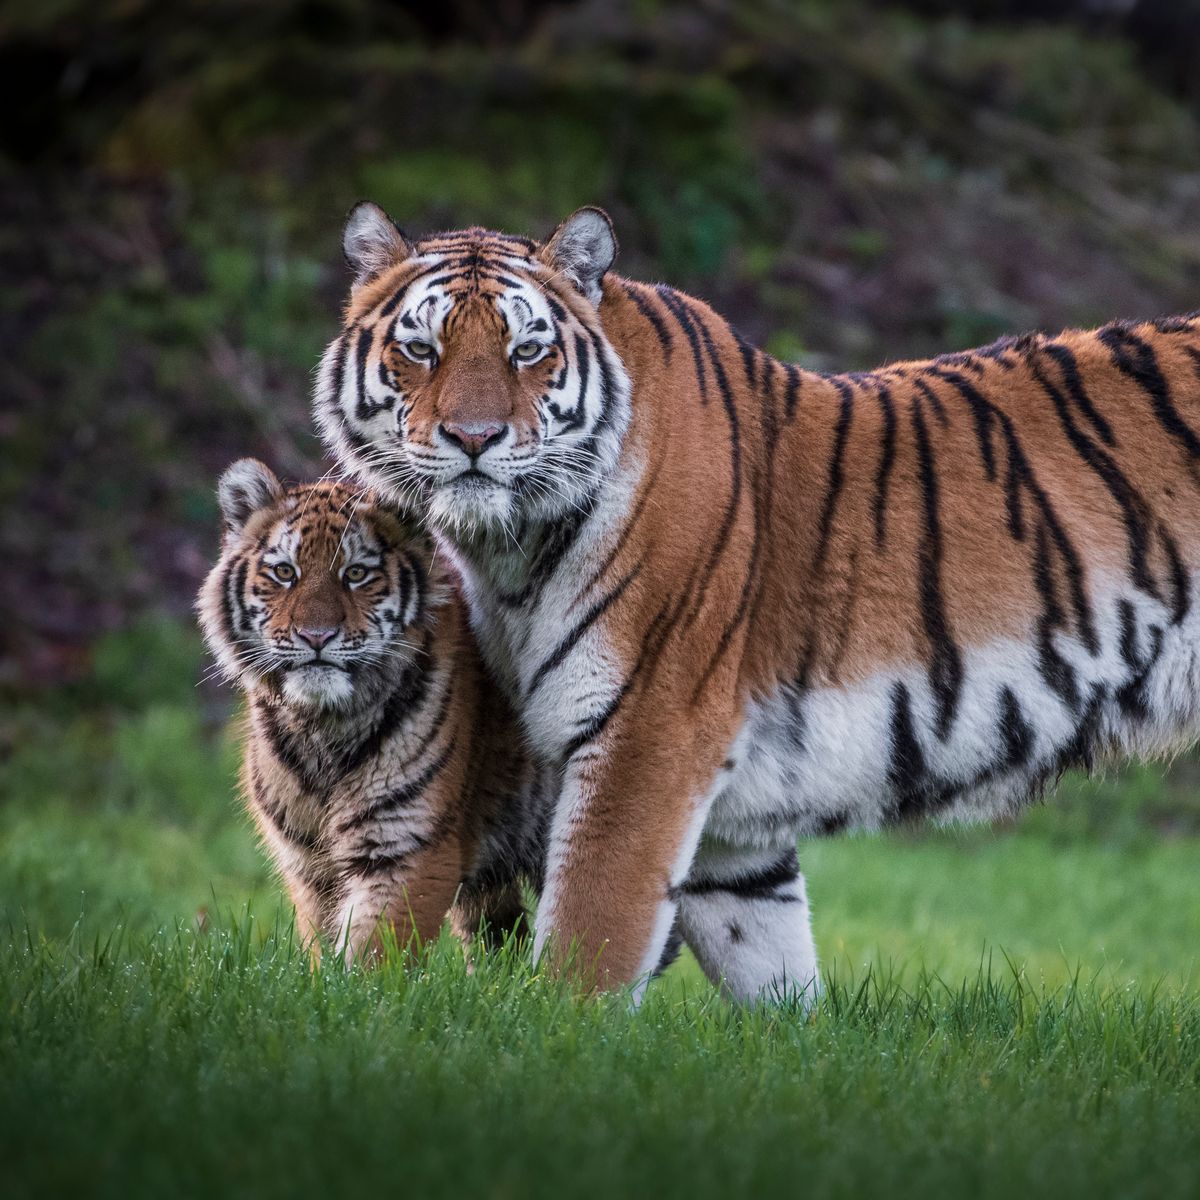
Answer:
(791, 603)
(384, 790)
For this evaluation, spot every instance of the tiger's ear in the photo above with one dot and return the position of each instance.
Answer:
(372, 242)
(246, 487)
(582, 248)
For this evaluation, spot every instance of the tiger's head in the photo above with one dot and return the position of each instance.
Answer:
(318, 591)
(472, 380)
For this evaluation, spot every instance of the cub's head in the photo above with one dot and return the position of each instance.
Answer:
(473, 381)
(319, 590)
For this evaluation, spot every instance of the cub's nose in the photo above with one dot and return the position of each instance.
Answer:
(473, 437)
(316, 638)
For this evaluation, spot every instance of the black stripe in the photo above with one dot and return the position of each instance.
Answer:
(646, 309)
(1020, 478)
(935, 402)
(1075, 389)
(678, 309)
(655, 638)
(556, 543)
(1017, 733)
(1134, 512)
(1080, 751)
(914, 790)
(339, 370)
(763, 884)
(1136, 358)
(234, 615)
(645, 493)
(741, 611)
(559, 654)
(574, 419)
(945, 665)
(747, 353)
(887, 458)
(1057, 672)
(401, 797)
(982, 412)
(792, 395)
(837, 479)
(277, 813)
(364, 408)
(1179, 576)
(1131, 696)
(287, 750)
(735, 468)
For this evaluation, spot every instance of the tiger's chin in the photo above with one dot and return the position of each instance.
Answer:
(318, 686)
(470, 504)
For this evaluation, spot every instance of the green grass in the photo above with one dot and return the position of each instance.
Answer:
(217, 1064)
(1013, 1009)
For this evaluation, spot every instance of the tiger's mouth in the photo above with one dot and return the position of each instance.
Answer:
(318, 683)
(471, 500)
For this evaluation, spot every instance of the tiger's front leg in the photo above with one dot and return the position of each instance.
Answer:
(629, 816)
(407, 894)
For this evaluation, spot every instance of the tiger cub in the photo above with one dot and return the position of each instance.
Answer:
(385, 789)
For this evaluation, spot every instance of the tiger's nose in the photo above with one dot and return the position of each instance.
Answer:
(473, 437)
(316, 638)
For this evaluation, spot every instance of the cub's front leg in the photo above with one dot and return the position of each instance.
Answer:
(300, 864)
(626, 825)
(407, 893)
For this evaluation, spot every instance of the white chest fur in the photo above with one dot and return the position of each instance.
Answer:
(543, 642)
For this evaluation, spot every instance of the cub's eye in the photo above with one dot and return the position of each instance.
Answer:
(284, 572)
(421, 351)
(355, 573)
(528, 351)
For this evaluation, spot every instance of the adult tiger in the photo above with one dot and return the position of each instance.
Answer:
(737, 602)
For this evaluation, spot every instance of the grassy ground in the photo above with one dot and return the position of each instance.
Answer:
(1007, 1009)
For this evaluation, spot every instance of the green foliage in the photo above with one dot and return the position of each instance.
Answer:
(155, 661)
(117, 799)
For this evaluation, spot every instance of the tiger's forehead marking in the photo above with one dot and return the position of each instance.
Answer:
(324, 525)
(453, 277)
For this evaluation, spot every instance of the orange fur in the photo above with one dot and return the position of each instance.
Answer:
(788, 533)
(376, 805)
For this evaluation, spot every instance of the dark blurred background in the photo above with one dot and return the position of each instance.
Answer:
(847, 181)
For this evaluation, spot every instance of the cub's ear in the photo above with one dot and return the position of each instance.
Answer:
(372, 242)
(244, 489)
(582, 248)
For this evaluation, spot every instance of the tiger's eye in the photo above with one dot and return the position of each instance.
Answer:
(527, 351)
(355, 573)
(284, 572)
(419, 350)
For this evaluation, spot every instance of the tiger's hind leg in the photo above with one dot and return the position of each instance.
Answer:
(744, 913)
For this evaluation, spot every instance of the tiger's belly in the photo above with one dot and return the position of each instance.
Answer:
(881, 751)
